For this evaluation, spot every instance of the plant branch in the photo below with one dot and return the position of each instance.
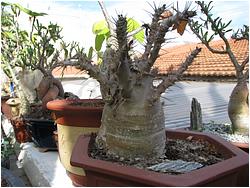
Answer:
(153, 28)
(243, 64)
(204, 41)
(246, 74)
(158, 31)
(217, 28)
(174, 76)
(81, 62)
(132, 33)
(123, 71)
(107, 17)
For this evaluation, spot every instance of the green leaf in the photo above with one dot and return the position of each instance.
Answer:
(201, 30)
(228, 24)
(139, 36)
(133, 25)
(99, 41)
(30, 51)
(66, 53)
(100, 28)
(29, 12)
(216, 19)
(25, 10)
(9, 35)
(50, 50)
(90, 54)
(228, 30)
(205, 36)
(219, 23)
(211, 38)
(5, 4)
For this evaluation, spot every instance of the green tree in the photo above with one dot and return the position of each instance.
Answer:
(33, 53)
(238, 109)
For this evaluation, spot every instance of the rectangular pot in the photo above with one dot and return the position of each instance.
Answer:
(233, 171)
(42, 133)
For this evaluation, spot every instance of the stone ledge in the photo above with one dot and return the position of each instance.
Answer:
(43, 169)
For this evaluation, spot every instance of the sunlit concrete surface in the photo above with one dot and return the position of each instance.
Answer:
(43, 169)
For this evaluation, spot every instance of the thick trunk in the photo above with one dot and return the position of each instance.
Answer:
(25, 104)
(134, 128)
(29, 81)
(238, 109)
(134, 131)
(49, 89)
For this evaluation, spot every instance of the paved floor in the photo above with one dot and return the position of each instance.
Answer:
(19, 172)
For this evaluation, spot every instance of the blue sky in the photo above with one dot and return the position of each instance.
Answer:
(77, 17)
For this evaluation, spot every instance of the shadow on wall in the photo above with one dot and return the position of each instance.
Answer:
(212, 96)
(219, 97)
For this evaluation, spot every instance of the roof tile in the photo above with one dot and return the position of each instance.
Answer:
(206, 63)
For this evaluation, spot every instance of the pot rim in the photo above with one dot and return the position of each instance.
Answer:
(66, 104)
(241, 144)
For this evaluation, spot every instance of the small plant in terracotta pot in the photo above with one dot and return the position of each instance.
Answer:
(28, 58)
(238, 107)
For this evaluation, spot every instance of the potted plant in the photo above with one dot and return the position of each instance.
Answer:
(83, 116)
(28, 59)
(238, 109)
(132, 120)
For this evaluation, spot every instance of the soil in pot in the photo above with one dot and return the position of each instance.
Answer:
(89, 104)
(190, 154)
(38, 112)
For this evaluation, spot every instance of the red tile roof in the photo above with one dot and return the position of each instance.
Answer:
(68, 72)
(206, 64)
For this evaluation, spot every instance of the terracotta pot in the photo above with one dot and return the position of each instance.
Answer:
(74, 119)
(243, 146)
(5, 108)
(21, 133)
(14, 104)
(233, 171)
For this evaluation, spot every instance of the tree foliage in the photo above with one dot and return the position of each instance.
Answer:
(202, 27)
